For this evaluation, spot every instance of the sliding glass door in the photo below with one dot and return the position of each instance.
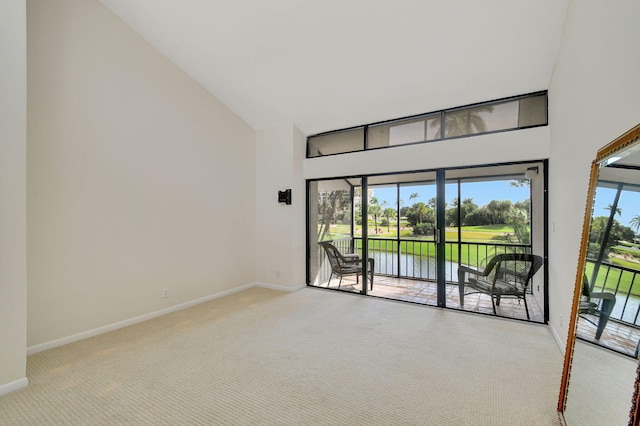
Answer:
(491, 212)
(334, 206)
(415, 231)
(403, 234)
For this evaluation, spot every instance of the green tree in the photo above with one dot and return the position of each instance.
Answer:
(389, 213)
(524, 205)
(618, 209)
(498, 210)
(635, 222)
(617, 233)
(451, 215)
(598, 225)
(467, 208)
(374, 210)
(417, 212)
(329, 205)
(404, 211)
(423, 229)
(518, 219)
(478, 217)
(519, 183)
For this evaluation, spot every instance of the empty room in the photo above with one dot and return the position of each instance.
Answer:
(280, 212)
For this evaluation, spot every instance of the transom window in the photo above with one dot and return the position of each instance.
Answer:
(494, 116)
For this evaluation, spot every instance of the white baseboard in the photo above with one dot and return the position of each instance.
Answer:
(111, 327)
(279, 287)
(558, 340)
(14, 386)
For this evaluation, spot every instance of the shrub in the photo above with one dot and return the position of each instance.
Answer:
(593, 250)
(423, 229)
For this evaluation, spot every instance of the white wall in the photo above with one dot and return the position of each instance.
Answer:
(280, 228)
(594, 98)
(13, 142)
(138, 179)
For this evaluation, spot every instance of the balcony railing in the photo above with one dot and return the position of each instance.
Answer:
(625, 284)
(416, 259)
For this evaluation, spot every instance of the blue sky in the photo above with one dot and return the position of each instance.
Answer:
(481, 192)
(629, 205)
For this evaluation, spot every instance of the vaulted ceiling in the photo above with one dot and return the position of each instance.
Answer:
(328, 64)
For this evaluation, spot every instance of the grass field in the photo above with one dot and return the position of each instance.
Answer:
(475, 234)
(622, 281)
(617, 279)
(424, 246)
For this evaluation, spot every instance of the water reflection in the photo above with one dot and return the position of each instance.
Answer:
(411, 266)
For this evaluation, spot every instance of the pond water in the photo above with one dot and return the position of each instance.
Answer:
(412, 266)
(626, 309)
(425, 268)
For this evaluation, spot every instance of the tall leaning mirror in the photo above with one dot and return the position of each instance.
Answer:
(600, 376)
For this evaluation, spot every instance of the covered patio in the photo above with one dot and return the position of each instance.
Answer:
(425, 292)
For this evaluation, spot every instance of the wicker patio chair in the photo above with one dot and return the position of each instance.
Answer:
(343, 265)
(597, 304)
(506, 275)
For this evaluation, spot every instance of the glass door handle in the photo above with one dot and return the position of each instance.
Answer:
(436, 235)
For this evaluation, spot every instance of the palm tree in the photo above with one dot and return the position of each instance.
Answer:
(464, 122)
(389, 213)
(618, 209)
(518, 218)
(432, 203)
(635, 222)
(420, 209)
(375, 210)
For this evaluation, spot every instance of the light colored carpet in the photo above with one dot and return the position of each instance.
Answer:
(262, 357)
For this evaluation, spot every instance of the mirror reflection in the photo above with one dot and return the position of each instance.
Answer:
(601, 363)
(609, 308)
(600, 388)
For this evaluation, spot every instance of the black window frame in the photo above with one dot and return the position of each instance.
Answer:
(442, 114)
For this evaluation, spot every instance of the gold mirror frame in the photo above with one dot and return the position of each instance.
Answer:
(619, 144)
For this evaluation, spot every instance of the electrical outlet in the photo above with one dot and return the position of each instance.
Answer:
(277, 274)
(165, 293)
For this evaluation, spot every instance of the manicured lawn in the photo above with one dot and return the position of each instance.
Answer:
(477, 234)
(490, 234)
(426, 247)
(625, 263)
(616, 278)
(471, 254)
(489, 228)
